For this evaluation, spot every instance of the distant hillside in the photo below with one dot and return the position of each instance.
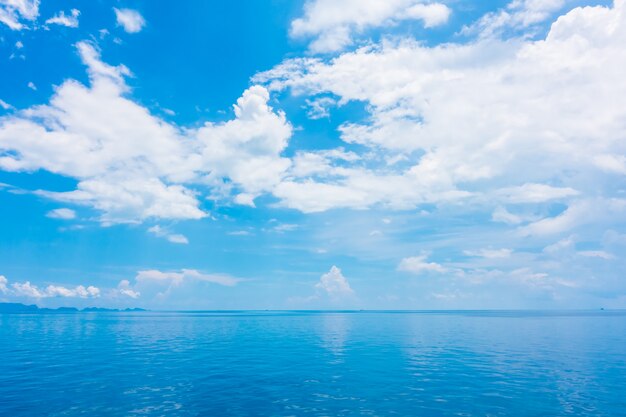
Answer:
(23, 308)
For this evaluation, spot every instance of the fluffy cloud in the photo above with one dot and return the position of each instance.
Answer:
(247, 149)
(131, 20)
(164, 233)
(419, 264)
(26, 289)
(97, 135)
(13, 12)
(505, 120)
(332, 24)
(125, 289)
(62, 213)
(334, 284)
(525, 130)
(62, 19)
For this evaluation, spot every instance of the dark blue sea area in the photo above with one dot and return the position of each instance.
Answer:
(293, 363)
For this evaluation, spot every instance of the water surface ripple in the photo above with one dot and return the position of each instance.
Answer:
(314, 364)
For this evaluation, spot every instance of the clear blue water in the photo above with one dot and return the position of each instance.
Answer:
(313, 364)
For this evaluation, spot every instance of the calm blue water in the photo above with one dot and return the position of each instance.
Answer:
(313, 364)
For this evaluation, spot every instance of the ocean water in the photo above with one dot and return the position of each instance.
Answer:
(314, 364)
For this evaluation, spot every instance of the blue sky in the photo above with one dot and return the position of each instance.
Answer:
(403, 154)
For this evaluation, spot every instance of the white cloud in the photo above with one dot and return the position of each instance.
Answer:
(578, 213)
(334, 284)
(62, 213)
(332, 24)
(164, 233)
(535, 193)
(3, 284)
(528, 277)
(26, 289)
(125, 289)
(318, 108)
(285, 227)
(563, 244)
(32, 86)
(611, 163)
(97, 134)
(5, 105)
(62, 19)
(247, 149)
(131, 20)
(29, 290)
(596, 254)
(473, 120)
(13, 12)
(178, 238)
(494, 122)
(419, 264)
(572, 216)
(79, 291)
(490, 253)
(502, 215)
(239, 233)
(518, 14)
(177, 278)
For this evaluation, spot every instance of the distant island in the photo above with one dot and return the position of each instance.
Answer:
(23, 308)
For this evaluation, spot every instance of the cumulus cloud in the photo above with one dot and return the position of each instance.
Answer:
(419, 265)
(26, 289)
(62, 213)
(334, 284)
(96, 134)
(125, 289)
(501, 124)
(333, 24)
(70, 21)
(499, 119)
(164, 233)
(131, 20)
(13, 13)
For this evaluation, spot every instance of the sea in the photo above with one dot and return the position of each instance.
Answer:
(314, 363)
